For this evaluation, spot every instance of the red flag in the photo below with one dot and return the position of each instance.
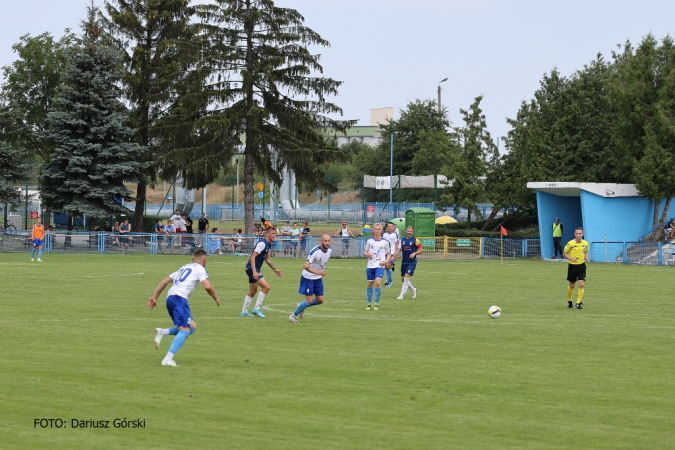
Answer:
(503, 231)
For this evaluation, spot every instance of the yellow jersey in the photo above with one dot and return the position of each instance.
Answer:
(38, 232)
(577, 250)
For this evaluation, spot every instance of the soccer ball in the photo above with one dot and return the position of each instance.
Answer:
(494, 312)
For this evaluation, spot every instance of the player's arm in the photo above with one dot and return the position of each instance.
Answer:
(312, 270)
(419, 250)
(268, 260)
(158, 290)
(350, 232)
(397, 249)
(366, 253)
(567, 255)
(211, 291)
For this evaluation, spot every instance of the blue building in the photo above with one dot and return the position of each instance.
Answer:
(607, 211)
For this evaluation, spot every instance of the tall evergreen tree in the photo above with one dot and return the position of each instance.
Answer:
(93, 155)
(269, 87)
(12, 168)
(162, 83)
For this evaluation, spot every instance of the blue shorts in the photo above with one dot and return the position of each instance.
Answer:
(311, 287)
(345, 243)
(376, 272)
(179, 310)
(37, 242)
(303, 243)
(249, 272)
(294, 244)
(408, 268)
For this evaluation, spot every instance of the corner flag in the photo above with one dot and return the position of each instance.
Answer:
(503, 231)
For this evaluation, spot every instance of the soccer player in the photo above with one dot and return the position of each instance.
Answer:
(391, 236)
(311, 281)
(346, 233)
(185, 280)
(410, 247)
(576, 251)
(255, 278)
(378, 253)
(38, 236)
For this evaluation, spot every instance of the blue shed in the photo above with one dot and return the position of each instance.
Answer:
(615, 211)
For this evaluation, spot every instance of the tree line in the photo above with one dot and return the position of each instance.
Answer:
(164, 89)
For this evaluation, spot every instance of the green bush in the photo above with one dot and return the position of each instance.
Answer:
(149, 223)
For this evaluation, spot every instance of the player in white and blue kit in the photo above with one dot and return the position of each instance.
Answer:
(185, 280)
(255, 278)
(378, 253)
(391, 236)
(311, 281)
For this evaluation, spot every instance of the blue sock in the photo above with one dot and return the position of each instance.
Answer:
(178, 341)
(389, 274)
(302, 306)
(32, 254)
(378, 291)
(173, 331)
(39, 253)
(370, 294)
(192, 331)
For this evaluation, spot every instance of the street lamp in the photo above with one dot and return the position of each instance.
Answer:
(439, 93)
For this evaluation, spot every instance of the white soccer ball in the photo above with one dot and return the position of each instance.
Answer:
(494, 312)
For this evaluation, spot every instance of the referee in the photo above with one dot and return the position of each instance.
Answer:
(576, 252)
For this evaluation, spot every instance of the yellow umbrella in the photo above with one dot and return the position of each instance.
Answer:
(445, 219)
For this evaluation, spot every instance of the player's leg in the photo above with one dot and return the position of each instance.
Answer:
(370, 276)
(314, 297)
(378, 286)
(32, 253)
(39, 252)
(179, 310)
(581, 276)
(252, 289)
(264, 290)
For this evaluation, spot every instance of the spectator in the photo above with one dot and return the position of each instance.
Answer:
(345, 232)
(285, 232)
(170, 235)
(203, 225)
(161, 232)
(214, 242)
(557, 238)
(125, 229)
(295, 238)
(188, 230)
(304, 233)
(670, 230)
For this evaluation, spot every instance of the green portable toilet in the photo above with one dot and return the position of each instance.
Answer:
(423, 221)
(400, 225)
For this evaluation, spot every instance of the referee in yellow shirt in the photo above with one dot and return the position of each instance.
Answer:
(576, 252)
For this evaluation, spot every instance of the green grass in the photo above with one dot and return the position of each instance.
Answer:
(434, 372)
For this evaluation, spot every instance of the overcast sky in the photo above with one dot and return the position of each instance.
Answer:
(392, 52)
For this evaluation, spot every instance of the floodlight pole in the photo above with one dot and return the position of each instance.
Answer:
(391, 172)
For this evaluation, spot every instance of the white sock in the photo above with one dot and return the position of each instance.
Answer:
(410, 284)
(259, 301)
(404, 288)
(165, 332)
(247, 303)
(168, 357)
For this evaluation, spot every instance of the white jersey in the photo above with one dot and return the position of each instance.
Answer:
(345, 232)
(186, 279)
(317, 260)
(393, 239)
(378, 250)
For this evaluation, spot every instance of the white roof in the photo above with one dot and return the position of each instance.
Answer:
(570, 189)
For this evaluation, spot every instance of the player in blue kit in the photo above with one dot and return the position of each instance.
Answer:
(311, 281)
(255, 278)
(410, 248)
(185, 280)
(378, 253)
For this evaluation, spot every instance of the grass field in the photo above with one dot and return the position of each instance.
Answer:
(435, 372)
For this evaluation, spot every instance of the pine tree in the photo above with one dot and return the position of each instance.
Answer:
(162, 83)
(270, 87)
(93, 155)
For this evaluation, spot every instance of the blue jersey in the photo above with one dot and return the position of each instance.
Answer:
(408, 247)
(262, 247)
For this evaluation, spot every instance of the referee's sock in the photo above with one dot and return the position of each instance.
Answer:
(580, 294)
(569, 293)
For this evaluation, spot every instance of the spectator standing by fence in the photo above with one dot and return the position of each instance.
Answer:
(557, 238)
